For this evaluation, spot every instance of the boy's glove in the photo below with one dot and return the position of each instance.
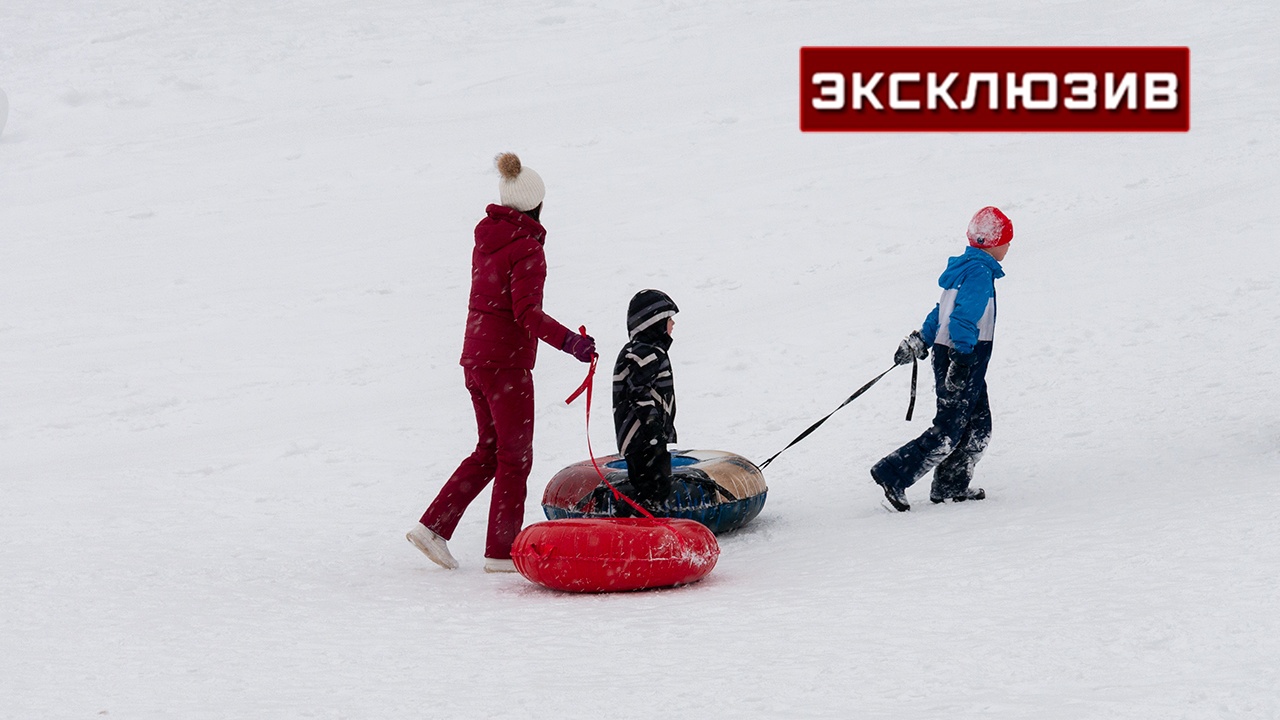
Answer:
(958, 371)
(912, 346)
(582, 347)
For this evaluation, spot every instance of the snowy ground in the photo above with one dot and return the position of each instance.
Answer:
(233, 276)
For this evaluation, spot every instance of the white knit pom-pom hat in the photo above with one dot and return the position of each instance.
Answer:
(519, 187)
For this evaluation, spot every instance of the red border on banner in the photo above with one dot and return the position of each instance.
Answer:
(968, 61)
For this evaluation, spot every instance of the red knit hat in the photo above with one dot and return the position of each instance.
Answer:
(990, 228)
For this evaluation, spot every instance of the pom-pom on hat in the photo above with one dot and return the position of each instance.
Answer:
(519, 187)
(990, 228)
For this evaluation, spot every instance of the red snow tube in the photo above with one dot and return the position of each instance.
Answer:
(611, 555)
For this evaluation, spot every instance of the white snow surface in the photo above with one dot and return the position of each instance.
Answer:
(233, 279)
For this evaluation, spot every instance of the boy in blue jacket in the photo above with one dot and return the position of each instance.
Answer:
(960, 330)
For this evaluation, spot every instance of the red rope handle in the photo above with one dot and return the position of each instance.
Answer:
(586, 387)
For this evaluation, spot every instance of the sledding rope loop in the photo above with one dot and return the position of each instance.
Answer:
(915, 372)
(586, 387)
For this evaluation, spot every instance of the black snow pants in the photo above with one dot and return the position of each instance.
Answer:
(649, 471)
(955, 442)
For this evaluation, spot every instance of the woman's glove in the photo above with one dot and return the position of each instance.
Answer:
(582, 347)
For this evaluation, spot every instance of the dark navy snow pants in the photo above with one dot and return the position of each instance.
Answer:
(955, 442)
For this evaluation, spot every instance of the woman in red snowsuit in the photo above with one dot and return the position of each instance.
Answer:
(504, 323)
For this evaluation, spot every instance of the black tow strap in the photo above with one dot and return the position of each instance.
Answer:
(910, 408)
(915, 371)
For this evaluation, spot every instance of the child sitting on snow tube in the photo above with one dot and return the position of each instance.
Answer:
(644, 401)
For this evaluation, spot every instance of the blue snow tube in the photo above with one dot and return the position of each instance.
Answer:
(721, 490)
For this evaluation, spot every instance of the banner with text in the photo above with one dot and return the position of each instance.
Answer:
(995, 89)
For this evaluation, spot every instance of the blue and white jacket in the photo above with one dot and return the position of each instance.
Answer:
(966, 313)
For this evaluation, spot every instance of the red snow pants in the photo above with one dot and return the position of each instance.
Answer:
(503, 399)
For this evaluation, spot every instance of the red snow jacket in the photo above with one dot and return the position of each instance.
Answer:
(504, 317)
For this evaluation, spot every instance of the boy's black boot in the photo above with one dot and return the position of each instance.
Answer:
(897, 498)
(966, 494)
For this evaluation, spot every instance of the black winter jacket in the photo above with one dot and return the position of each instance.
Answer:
(644, 392)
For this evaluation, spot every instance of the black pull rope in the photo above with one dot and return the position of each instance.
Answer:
(915, 371)
(818, 424)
